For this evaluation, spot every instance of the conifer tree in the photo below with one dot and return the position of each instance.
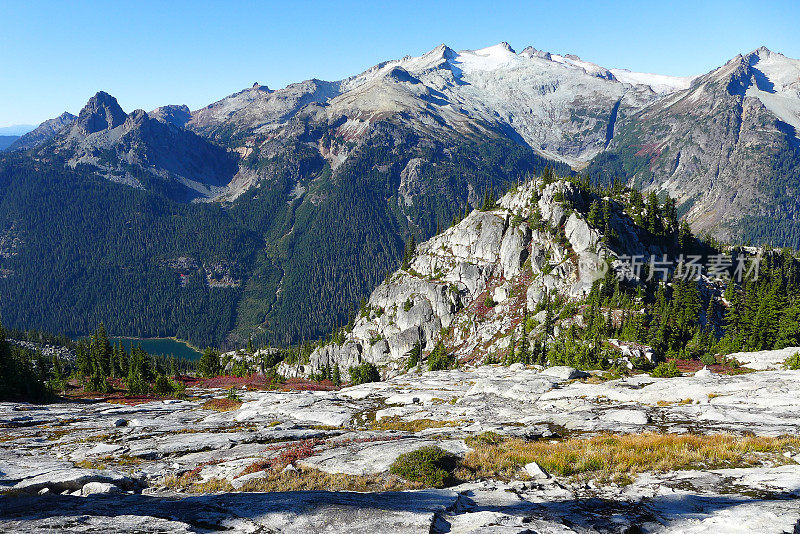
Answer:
(593, 218)
(209, 364)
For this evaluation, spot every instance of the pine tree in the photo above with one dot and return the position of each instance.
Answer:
(593, 218)
(83, 360)
(209, 364)
(711, 312)
(408, 255)
(653, 214)
(524, 352)
(684, 235)
(637, 203)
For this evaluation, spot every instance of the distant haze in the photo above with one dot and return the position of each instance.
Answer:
(16, 129)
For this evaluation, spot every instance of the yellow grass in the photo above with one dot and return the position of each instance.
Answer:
(222, 404)
(103, 462)
(416, 425)
(313, 479)
(301, 480)
(619, 457)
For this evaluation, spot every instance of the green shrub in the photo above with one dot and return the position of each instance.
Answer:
(209, 364)
(413, 356)
(162, 385)
(489, 302)
(793, 362)
(137, 386)
(429, 465)
(439, 359)
(98, 383)
(708, 359)
(241, 368)
(666, 370)
(408, 304)
(364, 373)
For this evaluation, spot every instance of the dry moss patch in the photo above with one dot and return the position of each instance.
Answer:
(222, 405)
(299, 480)
(415, 425)
(314, 479)
(621, 457)
(104, 462)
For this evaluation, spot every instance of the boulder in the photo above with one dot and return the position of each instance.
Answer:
(536, 471)
(564, 372)
(99, 487)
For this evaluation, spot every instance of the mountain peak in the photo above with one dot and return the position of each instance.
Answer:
(507, 47)
(101, 112)
(530, 51)
(177, 115)
(443, 51)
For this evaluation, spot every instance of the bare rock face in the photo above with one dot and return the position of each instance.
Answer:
(102, 112)
(176, 115)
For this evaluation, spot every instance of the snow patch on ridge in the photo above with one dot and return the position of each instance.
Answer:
(660, 83)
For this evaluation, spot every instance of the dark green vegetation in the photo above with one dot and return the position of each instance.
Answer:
(98, 364)
(23, 373)
(99, 367)
(76, 249)
(82, 250)
(431, 466)
(439, 359)
(364, 373)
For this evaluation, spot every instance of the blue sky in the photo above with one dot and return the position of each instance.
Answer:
(55, 55)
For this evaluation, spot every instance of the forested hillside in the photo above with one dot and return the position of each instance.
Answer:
(76, 249)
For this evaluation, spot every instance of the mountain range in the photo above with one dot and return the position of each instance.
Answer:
(282, 208)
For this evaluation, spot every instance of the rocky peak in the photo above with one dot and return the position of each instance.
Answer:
(177, 115)
(761, 52)
(102, 112)
(44, 132)
(65, 118)
(507, 47)
(530, 51)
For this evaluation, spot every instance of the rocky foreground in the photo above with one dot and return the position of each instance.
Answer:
(185, 466)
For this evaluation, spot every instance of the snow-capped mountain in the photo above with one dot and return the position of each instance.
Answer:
(563, 107)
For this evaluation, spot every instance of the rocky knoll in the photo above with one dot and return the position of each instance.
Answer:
(535, 245)
(180, 466)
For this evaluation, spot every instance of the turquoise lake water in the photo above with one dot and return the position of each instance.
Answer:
(164, 346)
